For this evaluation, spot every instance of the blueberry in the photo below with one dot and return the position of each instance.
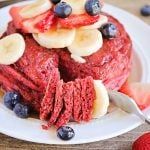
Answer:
(65, 133)
(11, 99)
(22, 111)
(145, 10)
(55, 1)
(93, 7)
(109, 30)
(63, 10)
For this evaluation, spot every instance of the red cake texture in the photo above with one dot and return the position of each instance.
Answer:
(111, 63)
(88, 100)
(37, 63)
(66, 113)
(77, 101)
(36, 76)
(58, 104)
(47, 104)
(10, 83)
(30, 75)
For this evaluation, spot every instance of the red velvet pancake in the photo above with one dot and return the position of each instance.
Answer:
(111, 64)
(36, 76)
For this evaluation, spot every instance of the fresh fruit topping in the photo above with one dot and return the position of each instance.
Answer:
(37, 24)
(22, 111)
(12, 48)
(36, 8)
(77, 6)
(140, 92)
(11, 99)
(142, 143)
(93, 7)
(55, 1)
(102, 20)
(109, 30)
(55, 38)
(65, 133)
(46, 23)
(145, 11)
(101, 102)
(86, 42)
(63, 10)
(76, 21)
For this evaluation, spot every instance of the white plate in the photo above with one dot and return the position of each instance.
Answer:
(113, 124)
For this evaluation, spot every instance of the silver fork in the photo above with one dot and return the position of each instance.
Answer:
(127, 104)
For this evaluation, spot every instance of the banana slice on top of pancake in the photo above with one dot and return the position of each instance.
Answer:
(86, 42)
(36, 8)
(55, 38)
(12, 48)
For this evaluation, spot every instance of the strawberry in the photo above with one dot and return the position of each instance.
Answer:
(140, 92)
(36, 24)
(75, 21)
(39, 23)
(46, 23)
(142, 143)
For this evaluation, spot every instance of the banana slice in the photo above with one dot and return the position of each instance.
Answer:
(36, 8)
(102, 100)
(102, 20)
(12, 48)
(86, 42)
(55, 38)
(78, 6)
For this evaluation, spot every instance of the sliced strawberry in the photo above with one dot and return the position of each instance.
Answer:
(140, 92)
(46, 23)
(17, 19)
(75, 21)
(39, 23)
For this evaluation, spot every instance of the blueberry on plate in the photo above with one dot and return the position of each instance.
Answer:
(108, 30)
(22, 111)
(93, 7)
(145, 10)
(62, 10)
(11, 99)
(65, 133)
(55, 1)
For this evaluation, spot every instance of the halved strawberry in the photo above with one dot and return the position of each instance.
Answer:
(39, 23)
(140, 92)
(75, 21)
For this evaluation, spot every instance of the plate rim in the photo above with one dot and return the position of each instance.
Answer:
(90, 140)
